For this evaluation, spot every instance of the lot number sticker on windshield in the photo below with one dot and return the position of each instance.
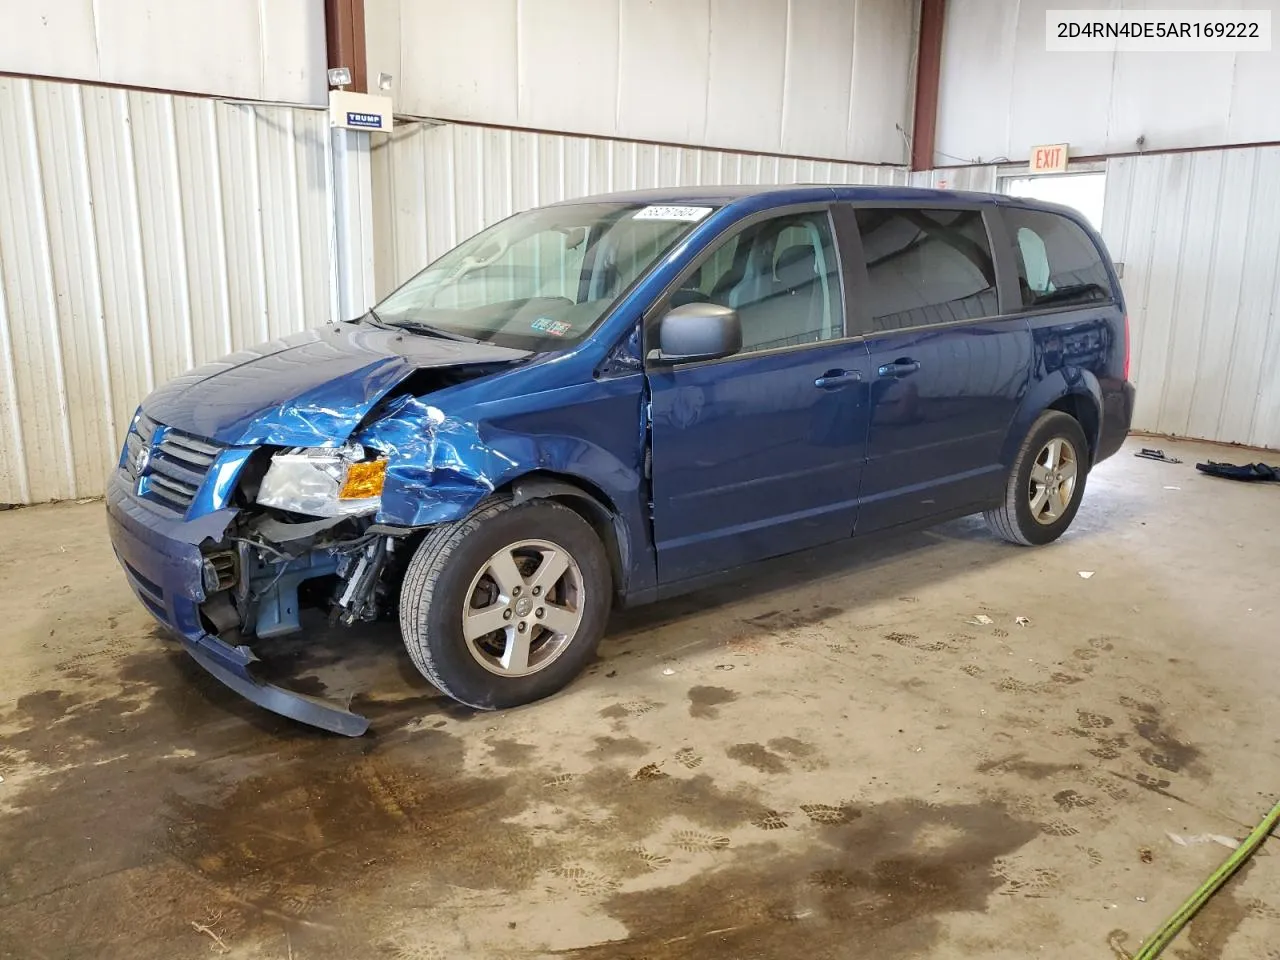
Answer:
(663, 212)
(556, 328)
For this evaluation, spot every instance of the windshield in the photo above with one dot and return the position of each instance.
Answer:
(539, 280)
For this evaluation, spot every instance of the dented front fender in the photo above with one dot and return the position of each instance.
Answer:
(442, 463)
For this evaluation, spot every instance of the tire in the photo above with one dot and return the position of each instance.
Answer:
(1018, 519)
(457, 572)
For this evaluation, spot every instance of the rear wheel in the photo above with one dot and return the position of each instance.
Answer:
(1046, 483)
(507, 605)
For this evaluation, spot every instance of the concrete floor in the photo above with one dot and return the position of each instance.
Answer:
(826, 758)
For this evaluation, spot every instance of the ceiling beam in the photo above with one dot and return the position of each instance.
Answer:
(928, 73)
(344, 40)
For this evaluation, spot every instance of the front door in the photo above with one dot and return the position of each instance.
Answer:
(761, 453)
(947, 370)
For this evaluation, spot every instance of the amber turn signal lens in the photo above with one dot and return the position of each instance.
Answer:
(364, 480)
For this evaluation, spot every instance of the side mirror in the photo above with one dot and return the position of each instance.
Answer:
(698, 331)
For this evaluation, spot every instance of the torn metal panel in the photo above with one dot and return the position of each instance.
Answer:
(438, 467)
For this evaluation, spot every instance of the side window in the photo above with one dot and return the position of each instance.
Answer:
(926, 267)
(715, 268)
(780, 275)
(1058, 264)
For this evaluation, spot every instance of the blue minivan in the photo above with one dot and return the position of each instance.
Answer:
(611, 400)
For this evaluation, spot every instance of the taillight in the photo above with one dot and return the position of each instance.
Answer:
(1126, 346)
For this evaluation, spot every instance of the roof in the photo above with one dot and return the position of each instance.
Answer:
(788, 192)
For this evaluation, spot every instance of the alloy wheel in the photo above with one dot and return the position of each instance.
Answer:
(523, 608)
(1053, 480)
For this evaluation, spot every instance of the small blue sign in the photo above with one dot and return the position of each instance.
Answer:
(371, 120)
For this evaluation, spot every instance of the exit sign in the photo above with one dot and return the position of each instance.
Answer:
(1051, 158)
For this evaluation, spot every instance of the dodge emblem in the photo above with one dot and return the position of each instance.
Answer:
(141, 460)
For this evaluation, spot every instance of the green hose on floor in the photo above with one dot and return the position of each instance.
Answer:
(1153, 947)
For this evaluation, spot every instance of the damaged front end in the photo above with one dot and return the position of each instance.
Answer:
(227, 534)
(244, 572)
(264, 571)
(277, 557)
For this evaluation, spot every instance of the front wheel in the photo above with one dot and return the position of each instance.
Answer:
(506, 606)
(1046, 483)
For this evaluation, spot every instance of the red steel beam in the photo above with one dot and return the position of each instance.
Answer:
(344, 39)
(928, 71)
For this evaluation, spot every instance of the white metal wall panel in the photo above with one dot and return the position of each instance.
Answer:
(567, 64)
(141, 234)
(734, 80)
(1000, 93)
(662, 59)
(825, 78)
(982, 179)
(1199, 238)
(816, 89)
(436, 185)
(435, 52)
(39, 393)
(880, 85)
(256, 49)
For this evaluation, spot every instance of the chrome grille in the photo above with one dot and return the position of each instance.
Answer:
(174, 465)
(198, 454)
(175, 493)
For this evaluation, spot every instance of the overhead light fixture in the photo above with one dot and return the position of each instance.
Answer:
(339, 77)
(384, 81)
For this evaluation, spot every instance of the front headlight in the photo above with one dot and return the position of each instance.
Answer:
(324, 482)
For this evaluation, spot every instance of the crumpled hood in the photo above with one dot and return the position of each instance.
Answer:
(308, 389)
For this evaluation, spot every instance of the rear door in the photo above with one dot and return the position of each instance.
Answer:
(761, 453)
(947, 369)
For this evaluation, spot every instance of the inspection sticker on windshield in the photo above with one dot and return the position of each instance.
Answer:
(555, 328)
(664, 212)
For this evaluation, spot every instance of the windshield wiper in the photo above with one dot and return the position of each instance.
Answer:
(429, 330)
(372, 318)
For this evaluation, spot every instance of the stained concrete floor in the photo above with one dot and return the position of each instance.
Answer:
(828, 757)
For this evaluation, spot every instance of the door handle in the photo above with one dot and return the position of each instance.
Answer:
(837, 378)
(902, 367)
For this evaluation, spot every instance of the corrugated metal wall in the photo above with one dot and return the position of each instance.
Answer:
(140, 235)
(983, 179)
(817, 78)
(436, 185)
(1199, 236)
(999, 93)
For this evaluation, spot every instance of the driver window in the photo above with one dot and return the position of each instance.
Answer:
(782, 278)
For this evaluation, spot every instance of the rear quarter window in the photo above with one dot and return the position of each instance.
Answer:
(926, 267)
(1059, 265)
